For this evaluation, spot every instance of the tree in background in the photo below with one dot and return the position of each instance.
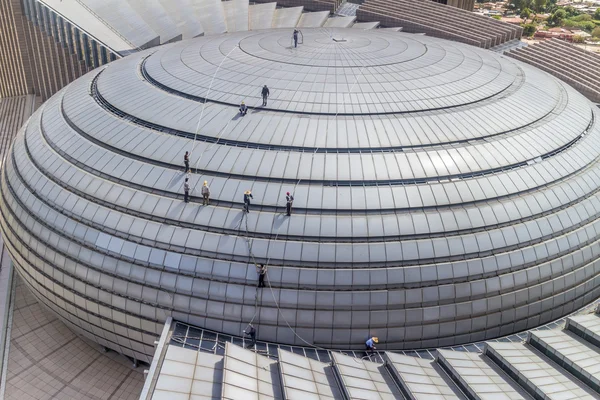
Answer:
(557, 17)
(596, 32)
(521, 4)
(540, 5)
(551, 6)
(529, 29)
(571, 11)
(525, 14)
(597, 14)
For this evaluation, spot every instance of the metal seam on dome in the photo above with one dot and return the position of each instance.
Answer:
(94, 91)
(99, 316)
(200, 99)
(37, 293)
(455, 258)
(452, 233)
(470, 316)
(75, 292)
(524, 267)
(405, 308)
(227, 142)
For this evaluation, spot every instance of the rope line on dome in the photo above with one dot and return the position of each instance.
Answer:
(266, 265)
(208, 92)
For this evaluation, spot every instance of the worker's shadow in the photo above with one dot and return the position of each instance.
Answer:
(237, 221)
(177, 180)
(237, 116)
(175, 210)
(278, 221)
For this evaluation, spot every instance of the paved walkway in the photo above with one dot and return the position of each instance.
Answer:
(48, 361)
(45, 359)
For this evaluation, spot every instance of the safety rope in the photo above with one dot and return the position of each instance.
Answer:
(266, 265)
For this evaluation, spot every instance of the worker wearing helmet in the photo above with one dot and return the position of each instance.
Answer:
(370, 344)
(243, 109)
(205, 194)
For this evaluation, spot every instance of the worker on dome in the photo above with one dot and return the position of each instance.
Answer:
(370, 344)
(243, 109)
(186, 161)
(186, 191)
(251, 332)
(288, 205)
(247, 197)
(205, 194)
(265, 94)
(261, 270)
(295, 37)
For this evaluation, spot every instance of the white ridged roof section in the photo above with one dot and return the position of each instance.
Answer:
(247, 375)
(211, 15)
(125, 20)
(187, 23)
(189, 374)
(313, 19)
(478, 377)
(571, 350)
(261, 15)
(537, 373)
(236, 15)
(304, 378)
(81, 17)
(287, 17)
(366, 25)
(422, 379)
(157, 18)
(365, 379)
(339, 22)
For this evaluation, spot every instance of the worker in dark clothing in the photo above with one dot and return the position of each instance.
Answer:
(265, 94)
(247, 197)
(251, 332)
(186, 191)
(261, 270)
(288, 205)
(295, 37)
(243, 109)
(186, 161)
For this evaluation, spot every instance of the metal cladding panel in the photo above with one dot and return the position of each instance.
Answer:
(236, 15)
(180, 13)
(211, 15)
(154, 14)
(442, 193)
(123, 18)
(81, 15)
(535, 373)
(313, 19)
(287, 17)
(476, 375)
(422, 379)
(339, 22)
(366, 25)
(260, 16)
(303, 377)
